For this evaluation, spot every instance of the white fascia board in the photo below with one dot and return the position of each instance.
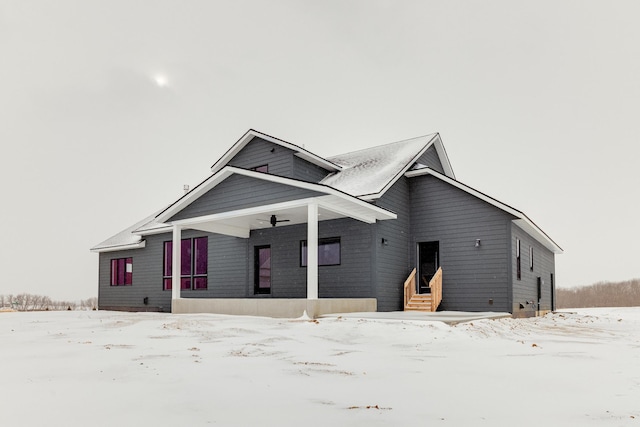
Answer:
(126, 247)
(193, 222)
(229, 230)
(299, 151)
(194, 194)
(227, 171)
(534, 231)
(521, 219)
(444, 158)
(152, 231)
(345, 211)
(395, 179)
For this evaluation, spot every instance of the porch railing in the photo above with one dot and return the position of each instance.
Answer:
(409, 287)
(436, 289)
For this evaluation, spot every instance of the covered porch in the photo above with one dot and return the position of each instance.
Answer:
(241, 223)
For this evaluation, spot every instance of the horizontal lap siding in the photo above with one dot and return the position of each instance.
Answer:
(306, 171)
(471, 276)
(240, 192)
(526, 289)
(350, 279)
(228, 277)
(392, 265)
(431, 159)
(227, 273)
(258, 153)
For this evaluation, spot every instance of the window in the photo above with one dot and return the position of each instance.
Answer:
(193, 263)
(531, 258)
(263, 169)
(328, 251)
(122, 272)
(262, 270)
(518, 271)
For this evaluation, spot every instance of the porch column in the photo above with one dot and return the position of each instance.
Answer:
(312, 251)
(175, 264)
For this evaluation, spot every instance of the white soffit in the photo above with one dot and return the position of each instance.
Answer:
(356, 205)
(125, 247)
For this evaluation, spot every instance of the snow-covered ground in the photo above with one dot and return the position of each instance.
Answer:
(135, 369)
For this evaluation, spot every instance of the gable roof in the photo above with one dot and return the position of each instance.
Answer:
(356, 178)
(369, 173)
(125, 239)
(522, 220)
(298, 151)
(358, 206)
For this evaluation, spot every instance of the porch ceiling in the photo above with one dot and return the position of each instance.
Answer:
(239, 223)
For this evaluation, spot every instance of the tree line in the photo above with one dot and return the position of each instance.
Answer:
(601, 294)
(30, 302)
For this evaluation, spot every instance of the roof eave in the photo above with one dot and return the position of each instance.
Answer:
(299, 152)
(227, 171)
(520, 218)
(137, 245)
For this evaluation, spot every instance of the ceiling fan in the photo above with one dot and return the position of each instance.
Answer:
(274, 220)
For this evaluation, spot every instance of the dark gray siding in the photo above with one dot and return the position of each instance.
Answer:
(259, 152)
(351, 279)
(392, 265)
(306, 171)
(525, 289)
(239, 192)
(431, 159)
(472, 277)
(230, 267)
(147, 277)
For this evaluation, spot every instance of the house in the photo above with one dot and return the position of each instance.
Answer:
(277, 230)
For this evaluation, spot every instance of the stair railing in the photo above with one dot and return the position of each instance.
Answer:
(409, 287)
(436, 290)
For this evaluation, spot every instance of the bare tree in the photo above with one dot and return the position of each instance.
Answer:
(601, 294)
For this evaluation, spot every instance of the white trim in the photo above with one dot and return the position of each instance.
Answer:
(125, 247)
(401, 171)
(151, 231)
(312, 250)
(444, 158)
(228, 230)
(436, 142)
(521, 219)
(212, 223)
(176, 267)
(227, 171)
(300, 152)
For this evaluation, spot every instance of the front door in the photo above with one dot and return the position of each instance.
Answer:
(262, 270)
(428, 264)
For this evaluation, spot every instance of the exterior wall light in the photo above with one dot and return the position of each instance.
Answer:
(477, 243)
(384, 241)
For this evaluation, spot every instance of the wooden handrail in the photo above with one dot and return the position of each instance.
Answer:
(409, 287)
(436, 289)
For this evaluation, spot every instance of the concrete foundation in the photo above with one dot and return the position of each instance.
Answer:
(273, 307)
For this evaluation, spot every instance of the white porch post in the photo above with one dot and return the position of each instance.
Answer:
(176, 268)
(312, 250)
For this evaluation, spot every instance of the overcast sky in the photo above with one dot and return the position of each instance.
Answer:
(108, 107)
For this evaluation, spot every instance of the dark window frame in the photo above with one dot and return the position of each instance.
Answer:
(321, 242)
(194, 279)
(119, 276)
(531, 258)
(257, 290)
(518, 263)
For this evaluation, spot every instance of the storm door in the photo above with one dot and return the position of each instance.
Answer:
(262, 270)
(428, 264)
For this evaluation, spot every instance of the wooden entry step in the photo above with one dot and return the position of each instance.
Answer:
(419, 302)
